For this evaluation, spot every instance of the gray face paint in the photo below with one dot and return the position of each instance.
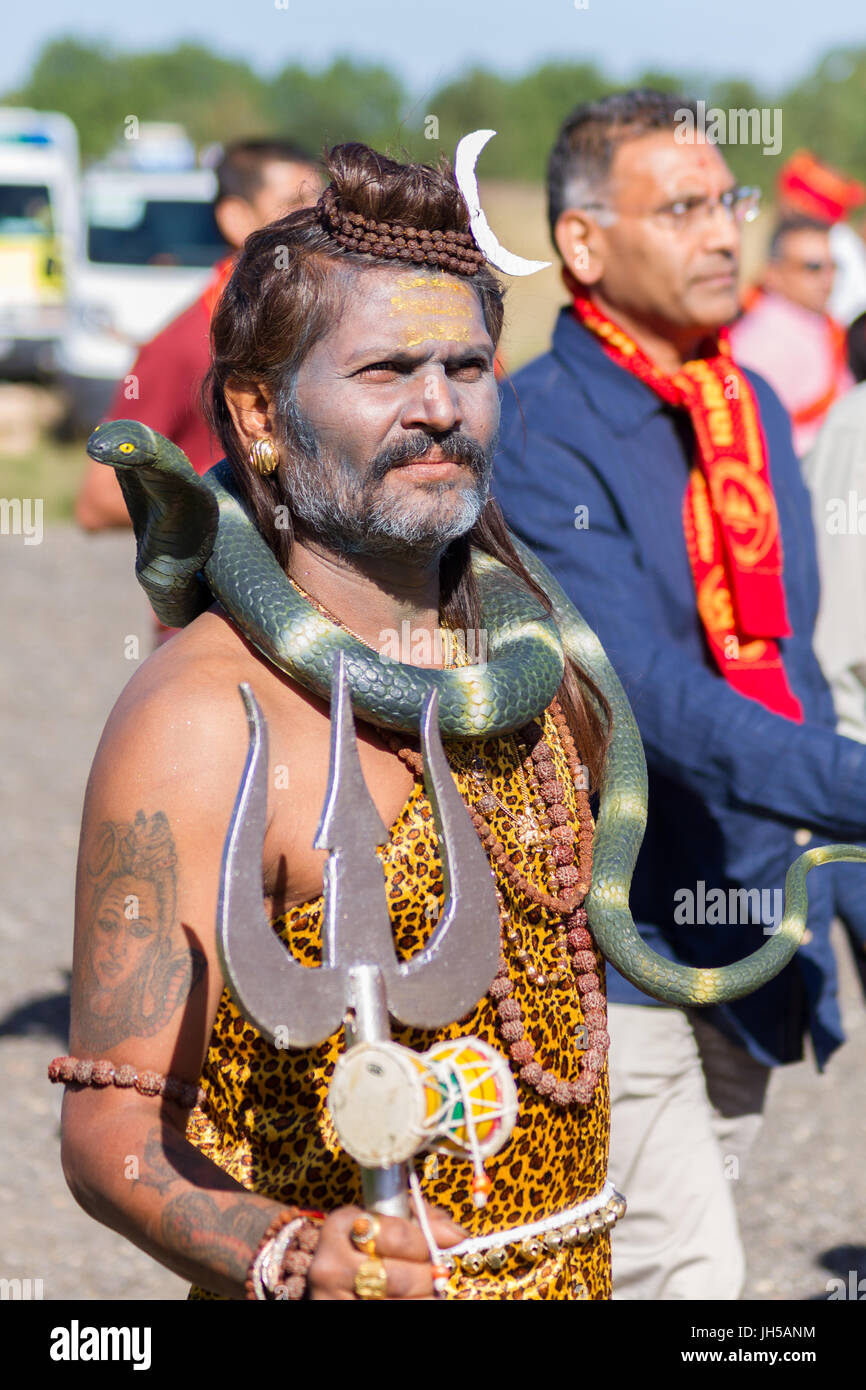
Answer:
(347, 511)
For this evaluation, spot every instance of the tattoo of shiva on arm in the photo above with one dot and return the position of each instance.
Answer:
(135, 970)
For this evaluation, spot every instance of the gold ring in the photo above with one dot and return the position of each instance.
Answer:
(363, 1234)
(371, 1281)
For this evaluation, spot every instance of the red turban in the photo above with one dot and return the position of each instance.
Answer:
(813, 188)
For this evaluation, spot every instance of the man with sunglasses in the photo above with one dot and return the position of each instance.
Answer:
(787, 334)
(657, 480)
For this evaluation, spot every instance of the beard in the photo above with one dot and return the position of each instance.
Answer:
(351, 513)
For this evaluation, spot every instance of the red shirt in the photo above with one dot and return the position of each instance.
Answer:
(169, 371)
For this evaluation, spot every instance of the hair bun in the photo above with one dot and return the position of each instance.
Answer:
(410, 212)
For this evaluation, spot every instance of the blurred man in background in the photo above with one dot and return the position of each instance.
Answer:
(786, 333)
(258, 181)
(658, 482)
(835, 472)
(809, 188)
(834, 469)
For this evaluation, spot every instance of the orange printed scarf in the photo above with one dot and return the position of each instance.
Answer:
(729, 512)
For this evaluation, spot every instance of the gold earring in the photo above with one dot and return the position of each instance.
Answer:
(263, 456)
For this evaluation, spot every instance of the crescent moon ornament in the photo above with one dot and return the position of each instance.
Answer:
(465, 159)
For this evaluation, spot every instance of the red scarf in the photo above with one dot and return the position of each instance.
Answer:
(729, 512)
(222, 273)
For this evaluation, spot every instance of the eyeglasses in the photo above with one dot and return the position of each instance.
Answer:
(687, 214)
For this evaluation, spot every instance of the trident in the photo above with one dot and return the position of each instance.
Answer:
(360, 981)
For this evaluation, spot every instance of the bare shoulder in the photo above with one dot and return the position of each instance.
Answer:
(180, 719)
(145, 975)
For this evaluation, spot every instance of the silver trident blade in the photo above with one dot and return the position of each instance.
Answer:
(269, 987)
(445, 981)
(437, 985)
(356, 928)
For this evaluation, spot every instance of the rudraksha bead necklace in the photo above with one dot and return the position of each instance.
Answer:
(574, 886)
(575, 880)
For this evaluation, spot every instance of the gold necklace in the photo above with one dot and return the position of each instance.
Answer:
(450, 664)
(320, 608)
(527, 827)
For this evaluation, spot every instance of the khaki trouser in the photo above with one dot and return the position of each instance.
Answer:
(685, 1110)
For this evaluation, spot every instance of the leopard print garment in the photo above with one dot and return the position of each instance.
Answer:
(264, 1119)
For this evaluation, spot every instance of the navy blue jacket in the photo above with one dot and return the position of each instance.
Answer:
(731, 784)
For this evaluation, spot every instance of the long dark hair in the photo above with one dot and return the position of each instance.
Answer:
(283, 297)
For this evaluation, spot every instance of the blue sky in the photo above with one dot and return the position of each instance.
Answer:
(430, 40)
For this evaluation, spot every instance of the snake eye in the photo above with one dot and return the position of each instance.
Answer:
(126, 448)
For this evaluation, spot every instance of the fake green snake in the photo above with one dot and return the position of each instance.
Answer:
(195, 543)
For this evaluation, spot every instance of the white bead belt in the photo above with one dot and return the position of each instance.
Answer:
(576, 1226)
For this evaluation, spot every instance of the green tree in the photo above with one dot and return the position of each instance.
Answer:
(87, 82)
(219, 99)
(347, 101)
(526, 113)
(215, 98)
(748, 161)
(826, 112)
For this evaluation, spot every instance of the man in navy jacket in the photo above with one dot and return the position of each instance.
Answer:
(592, 472)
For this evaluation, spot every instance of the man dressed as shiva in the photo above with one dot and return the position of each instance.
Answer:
(352, 389)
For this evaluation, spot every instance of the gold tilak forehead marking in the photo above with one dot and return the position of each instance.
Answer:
(429, 304)
(417, 333)
(432, 303)
(432, 294)
(436, 282)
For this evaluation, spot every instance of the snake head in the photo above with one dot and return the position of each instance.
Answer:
(121, 443)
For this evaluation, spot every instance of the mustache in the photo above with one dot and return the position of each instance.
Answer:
(458, 446)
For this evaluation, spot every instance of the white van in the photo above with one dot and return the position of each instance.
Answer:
(39, 235)
(151, 241)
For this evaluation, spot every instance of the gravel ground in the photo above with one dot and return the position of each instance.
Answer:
(69, 607)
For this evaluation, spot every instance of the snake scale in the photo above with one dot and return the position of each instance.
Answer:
(195, 543)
